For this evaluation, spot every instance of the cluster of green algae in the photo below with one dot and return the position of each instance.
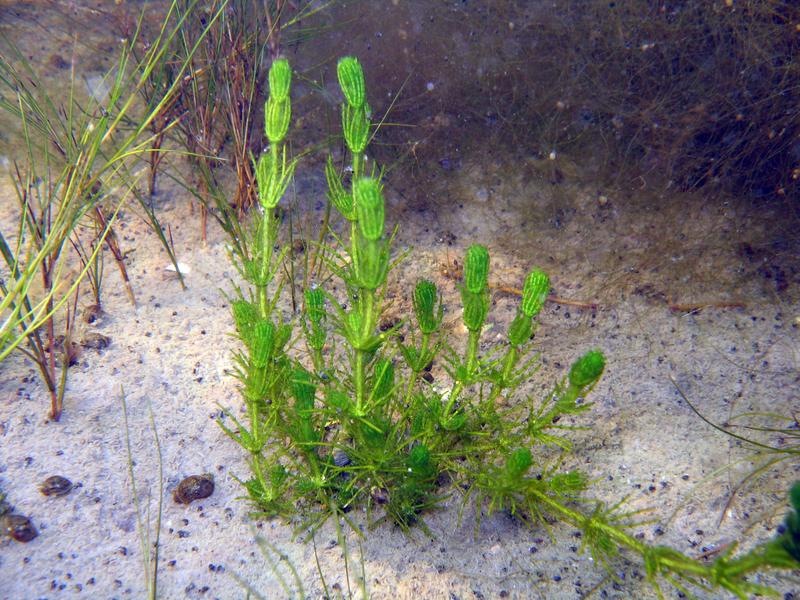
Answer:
(353, 422)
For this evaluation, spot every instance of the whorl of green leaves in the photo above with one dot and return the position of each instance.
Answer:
(476, 268)
(587, 369)
(384, 379)
(264, 179)
(278, 109)
(356, 323)
(282, 335)
(316, 334)
(245, 315)
(570, 482)
(355, 126)
(351, 80)
(315, 304)
(476, 307)
(420, 463)
(425, 299)
(520, 330)
(790, 538)
(277, 115)
(518, 463)
(534, 292)
(262, 343)
(280, 79)
(303, 391)
(341, 199)
(369, 207)
(371, 264)
(338, 400)
(273, 176)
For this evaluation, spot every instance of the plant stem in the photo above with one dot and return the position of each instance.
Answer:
(472, 351)
(358, 376)
(266, 242)
(470, 364)
(412, 382)
(509, 362)
(366, 306)
(358, 165)
(677, 563)
(55, 405)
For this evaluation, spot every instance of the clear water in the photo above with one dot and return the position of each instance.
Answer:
(699, 287)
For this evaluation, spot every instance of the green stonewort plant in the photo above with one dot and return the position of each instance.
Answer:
(350, 420)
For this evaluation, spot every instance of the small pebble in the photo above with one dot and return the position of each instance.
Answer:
(92, 313)
(388, 323)
(19, 528)
(380, 495)
(56, 486)
(95, 341)
(194, 487)
(58, 62)
(340, 458)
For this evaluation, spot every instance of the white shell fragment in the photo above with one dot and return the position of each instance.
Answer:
(184, 268)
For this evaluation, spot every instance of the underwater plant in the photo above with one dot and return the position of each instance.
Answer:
(355, 581)
(77, 170)
(213, 119)
(770, 438)
(354, 421)
(149, 529)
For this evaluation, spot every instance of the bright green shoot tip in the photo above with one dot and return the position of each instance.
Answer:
(280, 80)
(278, 109)
(351, 80)
(534, 292)
(476, 268)
(587, 369)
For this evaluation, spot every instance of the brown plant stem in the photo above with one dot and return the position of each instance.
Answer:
(113, 246)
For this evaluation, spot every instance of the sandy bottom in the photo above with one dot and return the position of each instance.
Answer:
(170, 353)
(645, 258)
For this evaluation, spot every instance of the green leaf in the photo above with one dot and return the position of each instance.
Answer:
(245, 315)
(303, 391)
(568, 483)
(420, 462)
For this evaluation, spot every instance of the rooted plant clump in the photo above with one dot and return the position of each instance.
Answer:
(353, 423)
